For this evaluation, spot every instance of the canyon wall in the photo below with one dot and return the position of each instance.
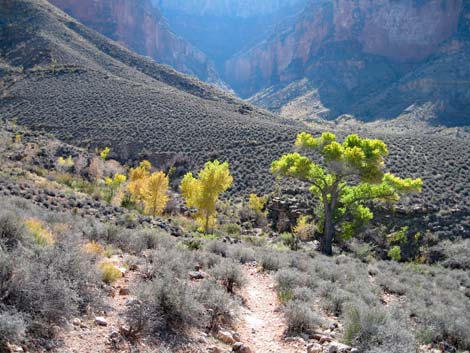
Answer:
(402, 31)
(139, 26)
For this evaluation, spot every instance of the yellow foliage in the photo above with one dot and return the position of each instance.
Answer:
(203, 192)
(137, 178)
(39, 231)
(93, 248)
(154, 193)
(104, 152)
(18, 138)
(256, 203)
(109, 272)
(65, 162)
(117, 180)
(304, 228)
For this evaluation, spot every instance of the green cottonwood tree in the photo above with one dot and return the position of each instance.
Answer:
(342, 201)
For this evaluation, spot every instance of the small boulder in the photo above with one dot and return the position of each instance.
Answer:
(14, 348)
(196, 275)
(123, 291)
(101, 321)
(325, 339)
(215, 349)
(225, 337)
(314, 348)
(240, 348)
(133, 302)
(335, 347)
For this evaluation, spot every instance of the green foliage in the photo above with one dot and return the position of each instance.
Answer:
(289, 240)
(342, 201)
(394, 253)
(203, 192)
(399, 236)
(232, 229)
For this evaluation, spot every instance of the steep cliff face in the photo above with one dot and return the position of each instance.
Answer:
(405, 31)
(365, 57)
(140, 27)
(222, 28)
(228, 8)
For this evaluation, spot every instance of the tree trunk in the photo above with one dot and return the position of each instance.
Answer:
(328, 233)
(206, 226)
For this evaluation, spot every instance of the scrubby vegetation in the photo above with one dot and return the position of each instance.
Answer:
(41, 286)
(74, 220)
(59, 262)
(220, 127)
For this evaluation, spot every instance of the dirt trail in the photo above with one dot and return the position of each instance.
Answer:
(261, 325)
(86, 336)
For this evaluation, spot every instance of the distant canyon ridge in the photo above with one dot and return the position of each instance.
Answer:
(307, 59)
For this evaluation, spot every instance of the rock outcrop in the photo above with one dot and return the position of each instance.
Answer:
(370, 58)
(139, 26)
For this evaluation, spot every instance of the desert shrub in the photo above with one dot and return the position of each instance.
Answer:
(288, 279)
(258, 241)
(164, 304)
(393, 337)
(170, 260)
(217, 247)
(11, 229)
(136, 241)
(373, 329)
(301, 318)
(303, 294)
(443, 321)
(100, 232)
(109, 272)
(207, 260)
(241, 254)
(362, 325)
(132, 262)
(220, 305)
(230, 274)
(232, 229)
(270, 261)
(13, 326)
(93, 248)
(391, 284)
(193, 244)
(334, 301)
(289, 240)
(49, 283)
(362, 251)
(457, 254)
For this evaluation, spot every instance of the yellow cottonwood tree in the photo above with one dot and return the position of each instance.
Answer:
(203, 192)
(137, 177)
(154, 193)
